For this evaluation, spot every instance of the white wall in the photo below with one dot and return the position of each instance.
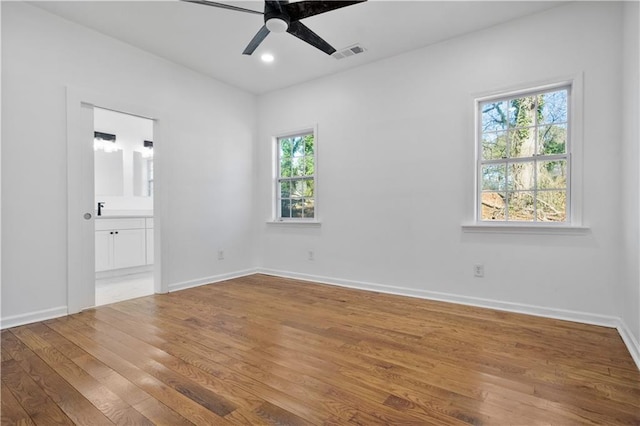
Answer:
(396, 164)
(209, 129)
(630, 294)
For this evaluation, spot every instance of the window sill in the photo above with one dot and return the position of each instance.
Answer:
(494, 228)
(310, 223)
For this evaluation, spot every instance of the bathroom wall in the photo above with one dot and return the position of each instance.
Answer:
(131, 132)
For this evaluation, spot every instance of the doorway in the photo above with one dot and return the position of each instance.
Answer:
(81, 201)
(123, 183)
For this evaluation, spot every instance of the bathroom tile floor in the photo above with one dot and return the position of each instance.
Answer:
(117, 289)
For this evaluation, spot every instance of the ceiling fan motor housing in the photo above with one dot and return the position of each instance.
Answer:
(275, 18)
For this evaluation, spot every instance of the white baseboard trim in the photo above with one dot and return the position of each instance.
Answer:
(22, 319)
(630, 341)
(520, 308)
(210, 280)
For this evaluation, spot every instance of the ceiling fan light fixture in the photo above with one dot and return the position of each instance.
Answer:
(267, 57)
(277, 25)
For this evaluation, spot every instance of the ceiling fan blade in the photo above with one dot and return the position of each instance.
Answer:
(256, 40)
(304, 9)
(274, 4)
(301, 31)
(223, 6)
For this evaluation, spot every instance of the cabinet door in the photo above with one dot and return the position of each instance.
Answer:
(104, 250)
(149, 246)
(129, 248)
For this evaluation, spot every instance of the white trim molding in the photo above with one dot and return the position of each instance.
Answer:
(31, 317)
(520, 308)
(311, 223)
(210, 280)
(488, 228)
(630, 341)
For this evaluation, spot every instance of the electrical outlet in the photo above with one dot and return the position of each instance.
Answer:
(220, 254)
(478, 270)
(311, 255)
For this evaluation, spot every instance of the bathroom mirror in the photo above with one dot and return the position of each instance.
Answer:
(142, 175)
(109, 173)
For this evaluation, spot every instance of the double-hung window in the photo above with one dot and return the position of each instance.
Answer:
(524, 157)
(296, 177)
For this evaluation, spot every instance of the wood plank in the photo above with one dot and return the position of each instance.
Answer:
(267, 350)
(41, 409)
(12, 411)
(163, 392)
(313, 389)
(112, 406)
(68, 398)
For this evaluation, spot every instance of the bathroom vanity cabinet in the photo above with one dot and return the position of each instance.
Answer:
(122, 242)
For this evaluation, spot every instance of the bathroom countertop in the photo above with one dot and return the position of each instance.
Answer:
(124, 216)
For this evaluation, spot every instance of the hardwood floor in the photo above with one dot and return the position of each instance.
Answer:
(266, 350)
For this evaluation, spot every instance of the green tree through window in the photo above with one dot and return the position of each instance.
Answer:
(523, 157)
(296, 177)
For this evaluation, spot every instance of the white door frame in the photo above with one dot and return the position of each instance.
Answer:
(80, 194)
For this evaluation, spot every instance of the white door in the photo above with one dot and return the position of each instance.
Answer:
(81, 232)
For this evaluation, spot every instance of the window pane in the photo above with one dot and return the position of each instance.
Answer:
(553, 106)
(285, 208)
(522, 112)
(308, 145)
(552, 139)
(285, 147)
(309, 188)
(296, 208)
(521, 206)
(522, 142)
(523, 157)
(552, 206)
(297, 166)
(285, 167)
(494, 177)
(309, 166)
(296, 181)
(298, 146)
(552, 174)
(285, 189)
(296, 188)
(493, 206)
(494, 145)
(521, 176)
(309, 207)
(494, 116)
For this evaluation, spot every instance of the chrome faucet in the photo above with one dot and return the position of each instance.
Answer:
(100, 206)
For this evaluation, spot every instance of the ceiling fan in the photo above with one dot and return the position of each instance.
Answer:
(281, 16)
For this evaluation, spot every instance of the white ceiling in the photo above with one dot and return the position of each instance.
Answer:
(211, 40)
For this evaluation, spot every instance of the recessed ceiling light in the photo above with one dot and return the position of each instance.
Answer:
(267, 57)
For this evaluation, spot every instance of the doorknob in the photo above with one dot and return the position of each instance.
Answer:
(87, 216)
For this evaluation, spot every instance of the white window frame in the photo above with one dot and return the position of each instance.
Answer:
(277, 217)
(573, 155)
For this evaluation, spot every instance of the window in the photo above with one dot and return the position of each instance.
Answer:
(524, 157)
(296, 177)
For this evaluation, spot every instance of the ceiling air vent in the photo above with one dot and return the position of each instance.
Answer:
(349, 51)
